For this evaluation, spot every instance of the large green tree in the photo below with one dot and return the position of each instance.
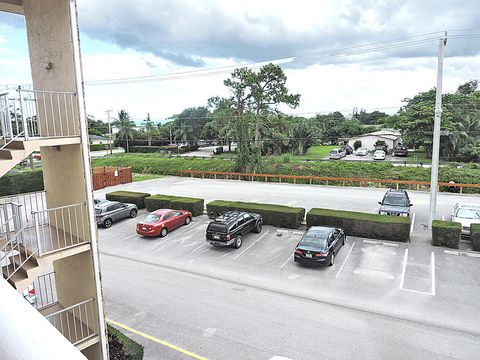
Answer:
(125, 126)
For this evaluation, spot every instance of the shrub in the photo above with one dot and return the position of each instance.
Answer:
(367, 225)
(153, 149)
(475, 236)
(357, 144)
(276, 215)
(446, 233)
(122, 347)
(21, 182)
(194, 205)
(97, 147)
(132, 197)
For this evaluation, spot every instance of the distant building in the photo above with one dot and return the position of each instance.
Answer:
(391, 138)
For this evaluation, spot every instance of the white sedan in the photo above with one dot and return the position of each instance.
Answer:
(361, 151)
(379, 155)
(466, 214)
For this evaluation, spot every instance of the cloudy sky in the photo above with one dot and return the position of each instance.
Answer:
(322, 48)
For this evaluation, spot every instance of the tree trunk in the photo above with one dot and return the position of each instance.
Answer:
(126, 141)
(257, 125)
(149, 140)
(229, 146)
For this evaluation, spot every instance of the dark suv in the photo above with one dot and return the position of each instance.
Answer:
(396, 203)
(400, 150)
(228, 229)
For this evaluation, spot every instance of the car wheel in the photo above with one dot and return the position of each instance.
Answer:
(164, 232)
(237, 244)
(187, 220)
(107, 223)
(258, 227)
(133, 213)
(332, 259)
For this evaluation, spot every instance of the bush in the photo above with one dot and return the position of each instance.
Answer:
(97, 147)
(21, 182)
(446, 233)
(475, 236)
(132, 197)
(122, 347)
(395, 228)
(276, 215)
(357, 144)
(194, 205)
(154, 149)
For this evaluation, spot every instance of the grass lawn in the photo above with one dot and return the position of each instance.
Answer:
(418, 157)
(143, 177)
(318, 152)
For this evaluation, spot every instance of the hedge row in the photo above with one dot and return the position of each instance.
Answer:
(475, 236)
(152, 149)
(132, 197)
(276, 215)
(21, 182)
(122, 347)
(98, 147)
(446, 233)
(367, 225)
(194, 205)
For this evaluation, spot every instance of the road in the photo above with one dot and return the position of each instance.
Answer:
(224, 320)
(207, 151)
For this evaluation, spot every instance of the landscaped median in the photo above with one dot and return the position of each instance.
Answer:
(395, 228)
(475, 236)
(194, 205)
(131, 197)
(446, 233)
(275, 215)
(122, 347)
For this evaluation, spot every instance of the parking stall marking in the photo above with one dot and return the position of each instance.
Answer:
(433, 273)
(199, 247)
(462, 253)
(226, 254)
(236, 256)
(383, 243)
(286, 262)
(345, 261)
(404, 269)
(293, 232)
(432, 270)
(412, 223)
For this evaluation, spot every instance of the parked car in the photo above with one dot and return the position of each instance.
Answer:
(229, 229)
(99, 201)
(109, 211)
(161, 222)
(319, 246)
(348, 149)
(395, 202)
(466, 214)
(337, 154)
(361, 151)
(400, 150)
(379, 155)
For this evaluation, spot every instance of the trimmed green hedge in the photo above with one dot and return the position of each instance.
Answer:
(122, 347)
(97, 147)
(153, 149)
(132, 197)
(446, 233)
(475, 236)
(395, 228)
(276, 215)
(21, 182)
(194, 205)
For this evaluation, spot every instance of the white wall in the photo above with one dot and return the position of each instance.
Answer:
(370, 140)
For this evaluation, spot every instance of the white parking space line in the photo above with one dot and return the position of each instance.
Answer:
(226, 254)
(412, 223)
(236, 256)
(433, 273)
(383, 243)
(345, 261)
(131, 236)
(462, 253)
(187, 229)
(404, 269)
(285, 231)
(199, 247)
(286, 262)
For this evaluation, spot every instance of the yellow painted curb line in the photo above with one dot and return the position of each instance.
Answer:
(164, 343)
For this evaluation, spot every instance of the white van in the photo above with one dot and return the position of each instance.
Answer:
(337, 154)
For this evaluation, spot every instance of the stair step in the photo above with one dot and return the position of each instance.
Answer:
(17, 145)
(30, 264)
(16, 278)
(20, 274)
(6, 154)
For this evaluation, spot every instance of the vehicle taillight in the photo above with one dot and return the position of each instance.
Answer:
(321, 254)
(228, 237)
(299, 252)
(31, 291)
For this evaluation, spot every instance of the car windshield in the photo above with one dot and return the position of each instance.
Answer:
(152, 218)
(98, 211)
(379, 152)
(468, 213)
(394, 201)
(316, 238)
(333, 152)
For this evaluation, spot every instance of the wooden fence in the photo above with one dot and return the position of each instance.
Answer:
(104, 176)
(411, 184)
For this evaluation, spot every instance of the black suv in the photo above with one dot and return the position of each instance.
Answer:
(228, 229)
(395, 202)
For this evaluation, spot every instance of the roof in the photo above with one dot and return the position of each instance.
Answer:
(161, 211)
(389, 134)
(97, 137)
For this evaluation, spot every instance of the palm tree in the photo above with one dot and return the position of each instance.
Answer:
(183, 132)
(125, 126)
(149, 128)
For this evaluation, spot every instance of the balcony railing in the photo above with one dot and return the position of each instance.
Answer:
(77, 322)
(27, 114)
(43, 291)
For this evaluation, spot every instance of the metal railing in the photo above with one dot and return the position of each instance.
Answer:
(44, 291)
(32, 201)
(77, 322)
(60, 228)
(27, 114)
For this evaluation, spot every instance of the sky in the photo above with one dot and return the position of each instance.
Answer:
(320, 45)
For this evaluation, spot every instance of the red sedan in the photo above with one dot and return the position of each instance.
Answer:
(160, 222)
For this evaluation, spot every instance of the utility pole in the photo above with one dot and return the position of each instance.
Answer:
(436, 132)
(109, 132)
(171, 142)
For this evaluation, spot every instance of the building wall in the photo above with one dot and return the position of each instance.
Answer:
(369, 142)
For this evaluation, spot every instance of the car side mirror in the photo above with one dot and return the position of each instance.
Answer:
(410, 204)
(379, 203)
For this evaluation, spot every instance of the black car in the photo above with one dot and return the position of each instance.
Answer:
(400, 150)
(229, 229)
(348, 149)
(319, 246)
(396, 203)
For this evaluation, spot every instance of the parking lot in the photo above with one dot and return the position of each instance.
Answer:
(414, 281)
